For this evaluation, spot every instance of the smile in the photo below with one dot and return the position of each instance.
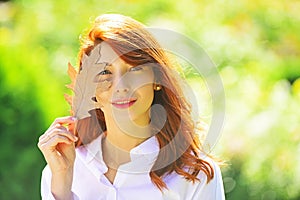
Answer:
(123, 103)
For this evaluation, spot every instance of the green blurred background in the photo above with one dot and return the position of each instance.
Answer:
(255, 45)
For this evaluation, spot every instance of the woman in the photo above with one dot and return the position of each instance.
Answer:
(138, 140)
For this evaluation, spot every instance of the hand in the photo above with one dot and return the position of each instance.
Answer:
(58, 145)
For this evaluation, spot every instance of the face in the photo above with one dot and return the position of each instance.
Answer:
(125, 92)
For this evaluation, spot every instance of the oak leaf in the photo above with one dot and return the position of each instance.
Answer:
(72, 74)
(83, 84)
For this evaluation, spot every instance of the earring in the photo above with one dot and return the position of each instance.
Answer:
(157, 87)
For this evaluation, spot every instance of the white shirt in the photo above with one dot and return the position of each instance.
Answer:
(132, 181)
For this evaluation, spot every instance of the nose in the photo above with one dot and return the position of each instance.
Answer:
(122, 85)
(122, 89)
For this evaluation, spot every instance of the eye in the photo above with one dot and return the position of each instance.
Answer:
(104, 72)
(136, 68)
(102, 76)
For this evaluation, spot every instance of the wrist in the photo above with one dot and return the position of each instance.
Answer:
(61, 184)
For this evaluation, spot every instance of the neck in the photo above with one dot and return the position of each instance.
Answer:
(126, 134)
(117, 144)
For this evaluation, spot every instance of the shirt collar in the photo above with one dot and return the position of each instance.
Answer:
(142, 156)
(94, 149)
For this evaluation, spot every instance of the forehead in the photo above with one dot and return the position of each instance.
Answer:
(105, 53)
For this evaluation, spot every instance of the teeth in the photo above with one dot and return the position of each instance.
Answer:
(122, 102)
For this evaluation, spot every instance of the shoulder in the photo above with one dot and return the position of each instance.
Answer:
(215, 167)
(213, 189)
(199, 189)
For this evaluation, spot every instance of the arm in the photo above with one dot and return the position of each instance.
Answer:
(58, 147)
(46, 186)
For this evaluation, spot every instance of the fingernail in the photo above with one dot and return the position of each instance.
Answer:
(74, 118)
(76, 138)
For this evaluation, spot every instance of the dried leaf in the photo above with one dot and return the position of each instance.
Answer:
(85, 86)
(72, 74)
(68, 98)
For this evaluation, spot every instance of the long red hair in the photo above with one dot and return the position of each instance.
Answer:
(180, 147)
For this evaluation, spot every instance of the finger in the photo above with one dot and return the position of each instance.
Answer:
(55, 129)
(67, 151)
(58, 131)
(68, 120)
(51, 143)
(64, 120)
(63, 131)
(49, 132)
(71, 127)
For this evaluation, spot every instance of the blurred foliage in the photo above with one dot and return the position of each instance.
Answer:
(255, 44)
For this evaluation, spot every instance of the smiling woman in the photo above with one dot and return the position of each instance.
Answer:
(139, 140)
(132, 88)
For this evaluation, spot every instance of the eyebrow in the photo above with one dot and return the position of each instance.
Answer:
(106, 64)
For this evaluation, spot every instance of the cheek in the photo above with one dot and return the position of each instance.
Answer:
(103, 86)
(142, 80)
(147, 94)
(102, 92)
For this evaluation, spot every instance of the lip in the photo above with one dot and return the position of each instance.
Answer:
(123, 103)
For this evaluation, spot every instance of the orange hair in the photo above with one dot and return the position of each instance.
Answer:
(179, 144)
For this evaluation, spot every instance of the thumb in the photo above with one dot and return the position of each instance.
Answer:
(68, 151)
